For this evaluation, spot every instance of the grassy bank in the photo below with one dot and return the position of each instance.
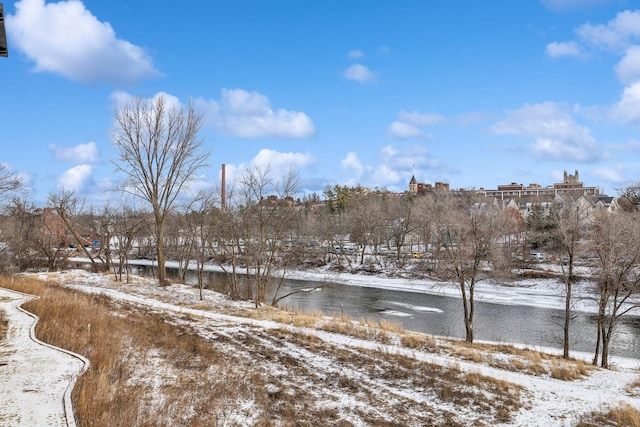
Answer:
(153, 366)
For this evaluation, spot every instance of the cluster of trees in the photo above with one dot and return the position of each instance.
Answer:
(260, 229)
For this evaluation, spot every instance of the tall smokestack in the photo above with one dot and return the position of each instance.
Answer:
(223, 191)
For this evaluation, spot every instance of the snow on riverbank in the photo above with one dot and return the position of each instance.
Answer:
(543, 293)
(549, 402)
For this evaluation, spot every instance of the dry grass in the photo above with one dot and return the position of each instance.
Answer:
(522, 360)
(569, 370)
(634, 387)
(3, 325)
(622, 416)
(418, 342)
(203, 374)
(364, 329)
(292, 317)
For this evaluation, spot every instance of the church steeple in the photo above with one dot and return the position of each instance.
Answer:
(413, 185)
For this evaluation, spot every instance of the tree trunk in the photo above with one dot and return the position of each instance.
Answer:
(599, 324)
(467, 306)
(567, 318)
(599, 337)
(468, 324)
(604, 361)
(162, 271)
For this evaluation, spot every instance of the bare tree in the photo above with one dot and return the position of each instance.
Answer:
(401, 223)
(267, 210)
(468, 232)
(159, 152)
(126, 223)
(614, 239)
(200, 224)
(30, 237)
(227, 243)
(568, 224)
(8, 181)
(68, 206)
(629, 197)
(366, 215)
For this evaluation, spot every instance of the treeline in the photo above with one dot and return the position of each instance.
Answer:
(259, 229)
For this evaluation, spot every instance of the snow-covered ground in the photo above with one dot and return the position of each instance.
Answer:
(37, 378)
(549, 402)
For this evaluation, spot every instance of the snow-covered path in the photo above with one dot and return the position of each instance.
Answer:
(36, 378)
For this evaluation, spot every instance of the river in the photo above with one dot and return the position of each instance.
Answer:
(442, 315)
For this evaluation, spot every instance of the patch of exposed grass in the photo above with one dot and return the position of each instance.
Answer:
(418, 342)
(4, 323)
(523, 360)
(568, 370)
(633, 388)
(382, 332)
(624, 415)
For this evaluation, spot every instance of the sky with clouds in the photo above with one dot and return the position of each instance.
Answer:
(475, 94)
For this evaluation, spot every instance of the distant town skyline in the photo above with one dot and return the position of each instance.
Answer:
(467, 93)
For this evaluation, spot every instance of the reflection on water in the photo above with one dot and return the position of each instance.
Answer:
(440, 315)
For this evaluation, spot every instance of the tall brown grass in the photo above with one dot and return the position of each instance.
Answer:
(204, 381)
(118, 343)
(623, 415)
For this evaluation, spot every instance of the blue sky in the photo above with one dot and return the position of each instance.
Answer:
(471, 93)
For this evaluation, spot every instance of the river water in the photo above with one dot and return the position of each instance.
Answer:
(442, 315)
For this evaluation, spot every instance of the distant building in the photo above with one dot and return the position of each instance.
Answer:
(571, 185)
(417, 188)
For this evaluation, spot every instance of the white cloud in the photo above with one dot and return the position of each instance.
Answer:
(249, 115)
(385, 176)
(282, 161)
(562, 49)
(401, 130)
(608, 174)
(628, 69)
(352, 162)
(82, 153)
(420, 119)
(360, 74)
(75, 178)
(617, 34)
(121, 98)
(66, 39)
(555, 134)
(468, 119)
(392, 171)
(405, 159)
(355, 54)
(278, 164)
(562, 5)
(409, 124)
(627, 110)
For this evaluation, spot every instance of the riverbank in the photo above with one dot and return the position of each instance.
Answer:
(541, 292)
(312, 373)
(534, 292)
